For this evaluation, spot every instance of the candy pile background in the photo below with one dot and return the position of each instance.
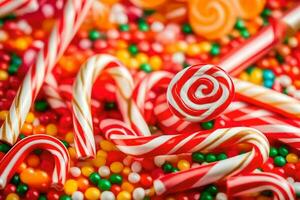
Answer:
(96, 78)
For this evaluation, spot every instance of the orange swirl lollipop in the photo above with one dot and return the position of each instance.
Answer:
(248, 9)
(211, 18)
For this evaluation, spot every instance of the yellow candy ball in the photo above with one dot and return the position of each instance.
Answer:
(116, 167)
(127, 186)
(256, 76)
(87, 170)
(244, 76)
(30, 117)
(3, 114)
(101, 153)
(72, 152)
(21, 44)
(51, 129)
(99, 161)
(141, 58)
(292, 158)
(126, 170)
(133, 63)
(107, 145)
(12, 196)
(205, 46)
(69, 137)
(182, 46)
(123, 55)
(155, 62)
(193, 49)
(70, 186)
(92, 193)
(183, 165)
(3, 75)
(124, 195)
(121, 44)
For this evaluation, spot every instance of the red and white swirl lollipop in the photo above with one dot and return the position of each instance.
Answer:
(200, 92)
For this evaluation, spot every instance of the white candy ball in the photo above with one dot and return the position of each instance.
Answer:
(107, 195)
(104, 171)
(85, 44)
(136, 166)
(138, 193)
(157, 26)
(285, 80)
(134, 177)
(178, 57)
(75, 171)
(221, 196)
(48, 10)
(77, 196)
(159, 161)
(112, 34)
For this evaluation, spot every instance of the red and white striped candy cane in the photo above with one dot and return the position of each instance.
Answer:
(96, 65)
(204, 141)
(200, 92)
(246, 54)
(258, 182)
(267, 98)
(250, 52)
(154, 81)
(19, 7)
(168, 121)
(60, 37)
(273, 126)
(17, 154)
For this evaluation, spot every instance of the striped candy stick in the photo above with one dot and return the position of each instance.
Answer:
(61, 35)
(250, 52)
(204, 141)
(267, 98)
(18, 7)
(257, 46)
(258, 182)
(273, 126)
(96, 65)
(18, 153)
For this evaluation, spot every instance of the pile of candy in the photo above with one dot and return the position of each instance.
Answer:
(139, 99)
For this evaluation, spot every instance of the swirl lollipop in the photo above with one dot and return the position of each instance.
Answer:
(211, 18)
(200, 92)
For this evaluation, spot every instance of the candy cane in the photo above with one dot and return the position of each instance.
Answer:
(84, 139)
(240, 58)
(258, 182)
(204, 141)
(200, 93)
(267, 98)
(12, 160)
(273, 126)
(61, 35)
(170, 123)
(19, 7)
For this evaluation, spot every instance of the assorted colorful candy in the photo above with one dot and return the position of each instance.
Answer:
(137, 99)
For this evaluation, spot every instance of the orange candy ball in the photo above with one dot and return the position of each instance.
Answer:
(34, 178)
